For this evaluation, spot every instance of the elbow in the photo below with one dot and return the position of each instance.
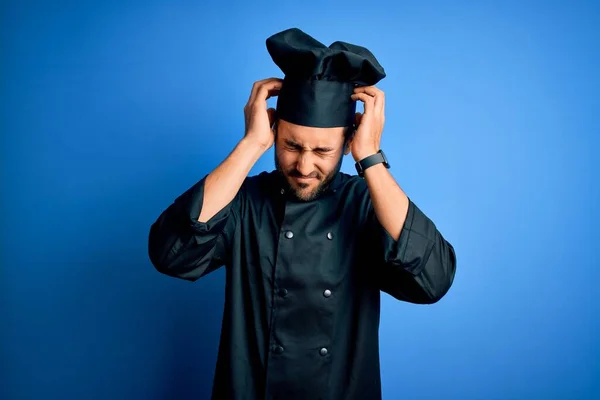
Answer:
(427, 286)
(437, 294)
(442, 276)
(158, 251)
(163, 247)
(180, 256)
(165, 262)
(160, 264)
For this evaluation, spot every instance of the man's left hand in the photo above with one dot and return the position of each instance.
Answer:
(367, 138)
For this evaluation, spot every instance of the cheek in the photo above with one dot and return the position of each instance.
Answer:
(286, 159)
(328, 165)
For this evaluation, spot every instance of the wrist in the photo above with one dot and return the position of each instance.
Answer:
(254, 145)
(375, 160)
(361, 154)
(250, 150)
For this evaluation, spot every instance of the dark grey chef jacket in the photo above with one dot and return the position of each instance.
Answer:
(303, 282)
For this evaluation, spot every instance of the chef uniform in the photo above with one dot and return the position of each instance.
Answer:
(304, 278)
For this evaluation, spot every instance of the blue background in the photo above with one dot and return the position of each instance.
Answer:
(112, 109)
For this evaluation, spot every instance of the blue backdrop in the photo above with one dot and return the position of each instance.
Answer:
(111, 109)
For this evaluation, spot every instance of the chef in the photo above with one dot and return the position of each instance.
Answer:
(307, 249)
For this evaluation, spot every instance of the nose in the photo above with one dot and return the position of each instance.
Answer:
(304, 164)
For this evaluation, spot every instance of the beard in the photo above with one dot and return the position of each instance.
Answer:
(324, 181)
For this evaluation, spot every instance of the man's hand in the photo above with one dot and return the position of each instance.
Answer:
(224, 182)
(259, 120)
(367, 138)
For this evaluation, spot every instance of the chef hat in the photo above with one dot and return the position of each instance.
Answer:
(319, 80)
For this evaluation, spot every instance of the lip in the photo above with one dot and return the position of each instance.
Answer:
(299, 179)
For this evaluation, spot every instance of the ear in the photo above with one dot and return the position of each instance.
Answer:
(357, 118)
(274, 128)
(348, 145)
(272, 114)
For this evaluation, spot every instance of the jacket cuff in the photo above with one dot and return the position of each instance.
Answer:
(412, 250)
(190, 204)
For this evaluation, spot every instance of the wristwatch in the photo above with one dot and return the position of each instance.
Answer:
(367, 162)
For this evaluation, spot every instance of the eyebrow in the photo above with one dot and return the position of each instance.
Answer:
(291, 143)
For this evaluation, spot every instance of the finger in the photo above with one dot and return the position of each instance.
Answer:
(271, 86)
(253, 91)
(264, 92)
(380, 101)
(270, 83)
(273, 92)
(370, 90)
(369, 101)
(376, 93)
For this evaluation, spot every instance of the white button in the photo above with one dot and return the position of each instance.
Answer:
(327, 293)
(282, 191)
(323, 351)
(289, 234)
(329, 235)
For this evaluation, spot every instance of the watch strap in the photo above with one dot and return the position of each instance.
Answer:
(367, 162)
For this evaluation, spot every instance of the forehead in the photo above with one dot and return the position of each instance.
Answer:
(310, 136)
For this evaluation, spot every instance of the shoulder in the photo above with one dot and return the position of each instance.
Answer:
(263, 184)
(352, 185)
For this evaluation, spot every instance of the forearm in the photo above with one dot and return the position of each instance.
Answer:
(418, 263)
(223, 183)
(389, 200)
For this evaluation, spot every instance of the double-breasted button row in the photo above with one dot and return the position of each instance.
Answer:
(279, 350)
(283, 292)
(290, 234)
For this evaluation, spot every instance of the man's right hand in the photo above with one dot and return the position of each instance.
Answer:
(259, 120)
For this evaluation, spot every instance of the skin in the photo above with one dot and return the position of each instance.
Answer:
(309, 158)
(311, 153)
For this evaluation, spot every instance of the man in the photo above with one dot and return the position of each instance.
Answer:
(307, 249)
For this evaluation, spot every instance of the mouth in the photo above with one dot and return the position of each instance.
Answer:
(304, 180)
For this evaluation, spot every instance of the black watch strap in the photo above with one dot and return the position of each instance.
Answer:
(377, 158)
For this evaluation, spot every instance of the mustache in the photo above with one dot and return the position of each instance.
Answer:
(296, 174)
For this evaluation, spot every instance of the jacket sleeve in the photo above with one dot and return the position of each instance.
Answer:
(181, 246)
(420, 266)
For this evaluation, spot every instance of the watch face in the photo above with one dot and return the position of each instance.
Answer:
(385, 160)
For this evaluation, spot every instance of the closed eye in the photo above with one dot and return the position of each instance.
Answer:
(293, 145)
(297, 147)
